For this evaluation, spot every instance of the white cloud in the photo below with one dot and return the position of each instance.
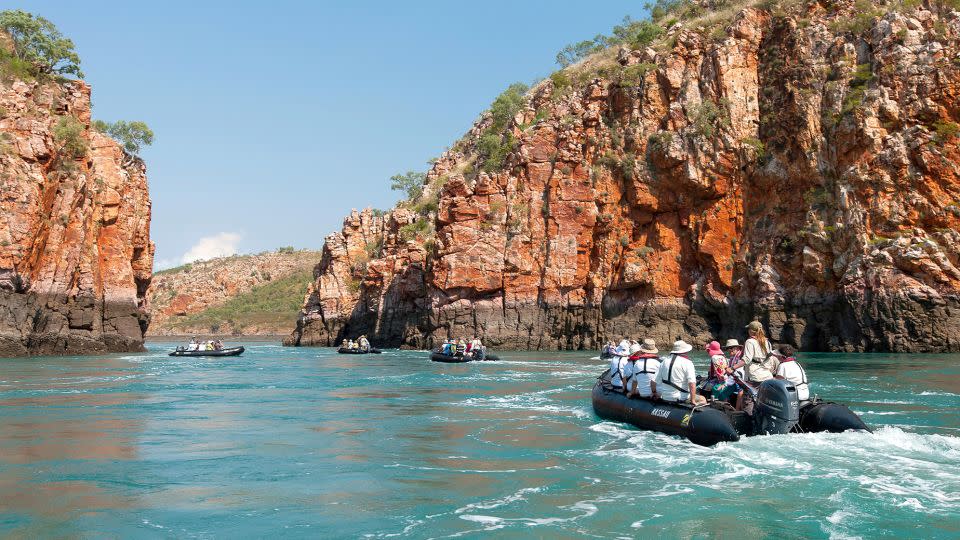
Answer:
(209, 247)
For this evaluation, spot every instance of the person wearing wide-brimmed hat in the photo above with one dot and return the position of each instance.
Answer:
(644, 364)
(735, 364)
(677, 377)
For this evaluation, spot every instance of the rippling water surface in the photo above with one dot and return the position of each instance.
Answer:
(309, 443)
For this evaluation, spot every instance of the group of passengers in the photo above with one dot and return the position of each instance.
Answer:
(210, 345)
(735, 371)
(362, 344)
(462, 347)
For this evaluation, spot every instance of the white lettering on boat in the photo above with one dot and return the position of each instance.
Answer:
(773, 403)
(662, 413)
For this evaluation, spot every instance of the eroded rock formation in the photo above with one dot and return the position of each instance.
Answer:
(75, 250)
(796, 165)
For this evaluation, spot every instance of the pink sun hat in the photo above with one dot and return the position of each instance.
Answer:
(714, 348)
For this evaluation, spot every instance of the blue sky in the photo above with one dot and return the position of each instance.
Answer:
(273, 120)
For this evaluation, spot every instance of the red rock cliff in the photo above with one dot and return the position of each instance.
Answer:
(797, 164)
(75, 250)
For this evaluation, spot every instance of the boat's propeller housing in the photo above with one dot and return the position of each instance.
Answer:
(778, 407)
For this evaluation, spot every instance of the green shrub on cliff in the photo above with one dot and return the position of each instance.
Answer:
(132, 135)
(417, 229)
(945, 131)
(68, 134)
(496, 141)
(575, 52)
(709, 116)
(39, 49)
(630, 32)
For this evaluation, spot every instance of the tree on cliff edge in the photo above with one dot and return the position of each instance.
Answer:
(38, 45)
(132, 135)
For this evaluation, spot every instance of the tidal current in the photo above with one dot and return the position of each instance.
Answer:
(305, 443)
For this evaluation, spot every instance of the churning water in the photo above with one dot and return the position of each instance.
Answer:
(308, 443)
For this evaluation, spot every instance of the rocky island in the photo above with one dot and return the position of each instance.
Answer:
(75, 249)
(795, 162)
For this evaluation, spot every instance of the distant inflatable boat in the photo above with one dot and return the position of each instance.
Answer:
(357, 351)
(438, 356)
(777, 411)
(232, 351)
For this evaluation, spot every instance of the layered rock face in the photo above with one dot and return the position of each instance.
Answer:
(798, 165)
(75, 250)
(177, 294)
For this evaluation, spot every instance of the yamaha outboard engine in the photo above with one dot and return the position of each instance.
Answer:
(777, 409)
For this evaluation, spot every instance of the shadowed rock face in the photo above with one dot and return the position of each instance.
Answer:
(75, 250)
(790, 169)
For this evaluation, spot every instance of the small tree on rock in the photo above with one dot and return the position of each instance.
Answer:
(37, 42)
(410, 182)
(132, 135)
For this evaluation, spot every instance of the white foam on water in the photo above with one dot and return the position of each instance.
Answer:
(536, 401)
(467, 471)
(639, 524)
(911, 503)
(496, 503)
(486, 520)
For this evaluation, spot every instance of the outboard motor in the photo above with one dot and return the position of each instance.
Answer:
(777, 409)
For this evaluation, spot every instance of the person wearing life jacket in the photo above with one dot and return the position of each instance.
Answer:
(618, 371)
(733, 348)
(364, 344)
(719, 382)
(476, 348)
(643, 369)
(792, 371)
(677, 377)
(461, 347)
(758, 361)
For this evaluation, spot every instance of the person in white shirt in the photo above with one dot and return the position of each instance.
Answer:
(623, 349)
(618, 371)
(792, 371)
(677, 377)
(194, 344)
(645, 364)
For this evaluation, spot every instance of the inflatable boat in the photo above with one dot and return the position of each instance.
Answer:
(232, 351)
(341, 350)
(777, 411)
(438, 356)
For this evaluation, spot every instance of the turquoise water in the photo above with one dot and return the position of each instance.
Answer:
(310, 444)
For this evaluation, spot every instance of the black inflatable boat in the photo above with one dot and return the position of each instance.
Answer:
(232, 351)
(357, 351)
(438, 356)
(777, 411)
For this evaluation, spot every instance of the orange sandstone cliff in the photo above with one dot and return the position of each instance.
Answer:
(796, 163)
(75, 250)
